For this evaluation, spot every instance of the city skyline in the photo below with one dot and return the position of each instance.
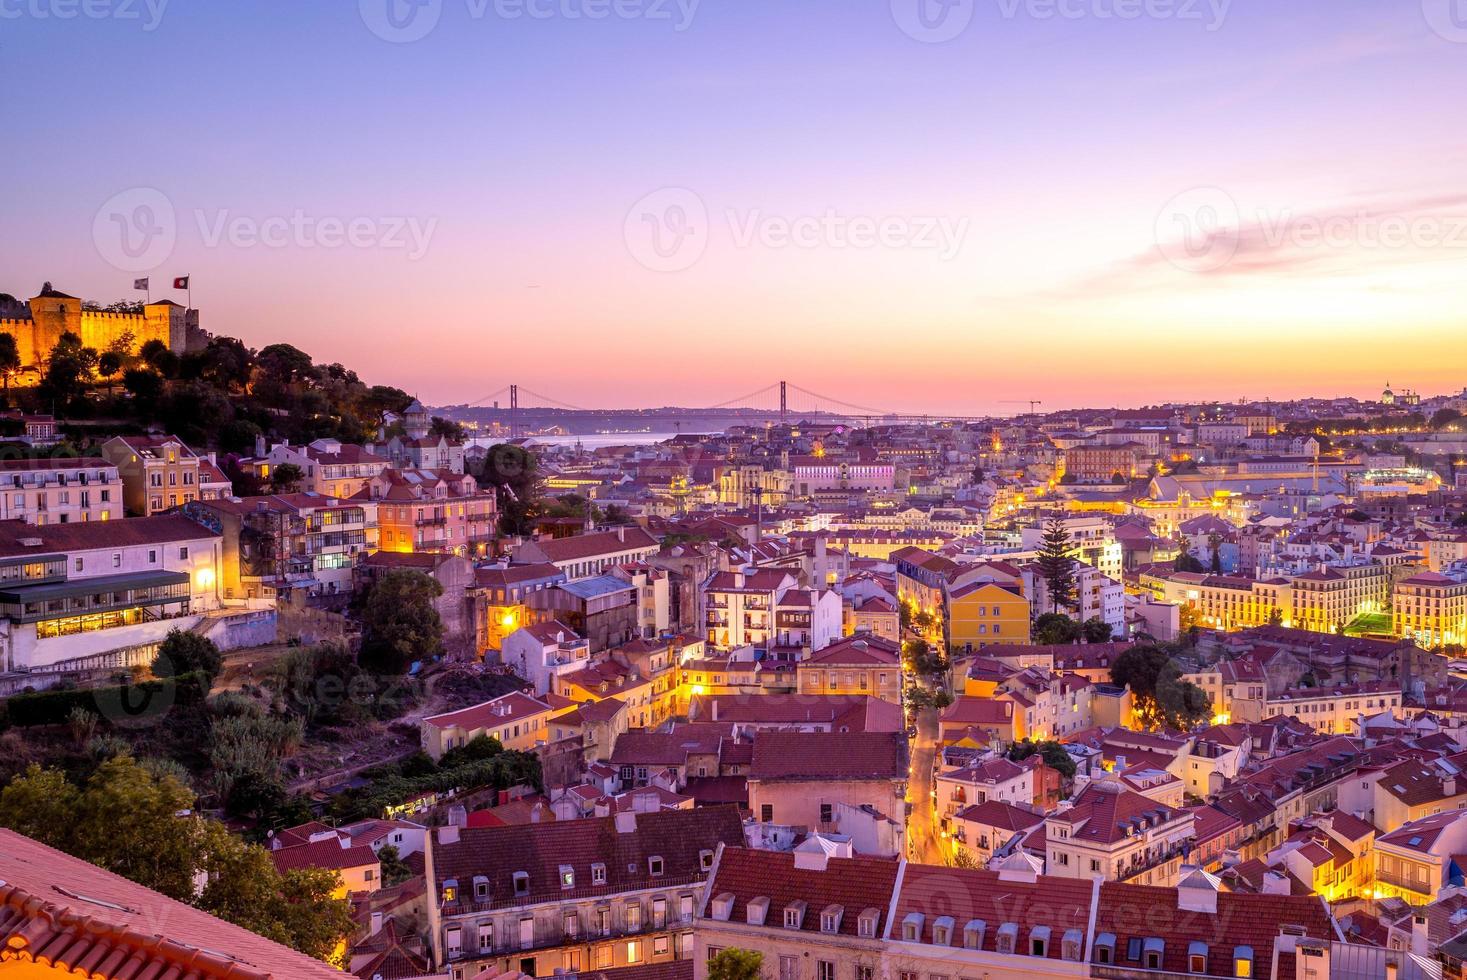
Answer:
(1087, 210)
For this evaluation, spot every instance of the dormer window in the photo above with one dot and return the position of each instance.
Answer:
(521, 883)
(866, 925)
(1105, 947)
(1243, 962)
(598, 874)
(450, 891)
(973, 934)
(654, 866)
(1197, 957)
(1152, 950)
(1007, 940)
(1039, 941)
(567, 876)
(481, 888)
(912, 927)
(705, 860)
(942, 931)
(794, 915)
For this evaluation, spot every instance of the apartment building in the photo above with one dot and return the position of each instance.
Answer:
(585, 555)
(1328, 710)
(1413, 862)
(544, 653)
(1102, 463)
(1430, 608)
(993, 780)
(434, 510)
(502, 599)
(572, 895)
(515, 720)
(855, 665)
(290, 542)
(1092, 542)
(160, 473)
(739, 606)
(66, 490)
(801, 778)
(814, 915)
(1114, 833)
(101, 594)
(330, 467)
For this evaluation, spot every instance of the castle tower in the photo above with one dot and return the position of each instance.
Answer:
(54, 313)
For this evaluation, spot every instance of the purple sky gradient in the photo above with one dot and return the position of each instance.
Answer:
(1058, 144)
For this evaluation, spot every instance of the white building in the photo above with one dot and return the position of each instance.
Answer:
(545, 651)
(104, 593)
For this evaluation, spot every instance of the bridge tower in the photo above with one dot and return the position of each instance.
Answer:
(784, 402)
(514, 411)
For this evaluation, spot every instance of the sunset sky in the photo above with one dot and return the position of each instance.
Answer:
(1079, 160)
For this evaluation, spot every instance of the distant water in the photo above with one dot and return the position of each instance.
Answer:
(599, 440)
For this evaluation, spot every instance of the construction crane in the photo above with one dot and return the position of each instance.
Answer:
(1031, 402)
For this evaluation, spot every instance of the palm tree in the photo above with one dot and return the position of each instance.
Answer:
(9, 359)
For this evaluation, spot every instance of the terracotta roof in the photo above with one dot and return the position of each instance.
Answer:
(996, 813)
(329, 854)
(505, 708)
(1060, 904)
(855, 884)
(60, 911)
(92, 535)
(1140, 912)
(593, 545)
(829, 756)
(858, 651)
(678, 837)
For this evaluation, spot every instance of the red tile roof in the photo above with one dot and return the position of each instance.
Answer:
(829, 756)
(855, 884)
(1061, 904)
(64, 912)
(327, 854)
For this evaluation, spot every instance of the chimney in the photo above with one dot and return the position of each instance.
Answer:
(1275, 883)
(376, 923)
(626, 822)
(448, 835)
(621, 533)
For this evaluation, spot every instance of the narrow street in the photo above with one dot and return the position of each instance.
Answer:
(922, 842)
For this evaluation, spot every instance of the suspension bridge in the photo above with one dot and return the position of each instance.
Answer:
(781, 401)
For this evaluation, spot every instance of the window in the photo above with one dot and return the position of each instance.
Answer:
(766, 813)
(661, 945)
(705, 860)
(603, 957)
(1196, 963)
(454, 940)
(864, 973)
(713, 951)
(79, 564)
(450, 891)
(486, 936)
(183, 552)
(826, 813)
(634, 952)
(824, 970)
(789, 968)
(521, 883)
(598, 874)
(654, 866)
(1243, 962)
(567, 876)
(571, 924)
(633, 916)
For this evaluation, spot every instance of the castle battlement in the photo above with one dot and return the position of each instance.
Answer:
(53, 314)
(105, 315)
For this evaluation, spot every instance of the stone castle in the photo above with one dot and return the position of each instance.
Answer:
(39, 323)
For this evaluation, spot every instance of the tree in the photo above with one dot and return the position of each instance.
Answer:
(1160, 696)
(1444, 417)
(1095, 630)
(441, 428)
(513, 473)
(286, 478)
(145, 387)
(109, 365)
(136, 822)
(1056, 567)
(400, 623)
(68, 370)
(1214, 546)
(394, 869)
(733, 963)
(187, 653)
(156, 355)
(1053, 754)
(1187, 562)
(9, 359)
(1275, 616)
(1055, 629)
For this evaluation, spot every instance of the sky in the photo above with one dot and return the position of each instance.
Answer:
(913, 205)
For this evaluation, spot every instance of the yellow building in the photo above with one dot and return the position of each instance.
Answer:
(856, 665)
(1431, 609)
(985, 612)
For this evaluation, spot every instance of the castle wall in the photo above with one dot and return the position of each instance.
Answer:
(52, 316)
